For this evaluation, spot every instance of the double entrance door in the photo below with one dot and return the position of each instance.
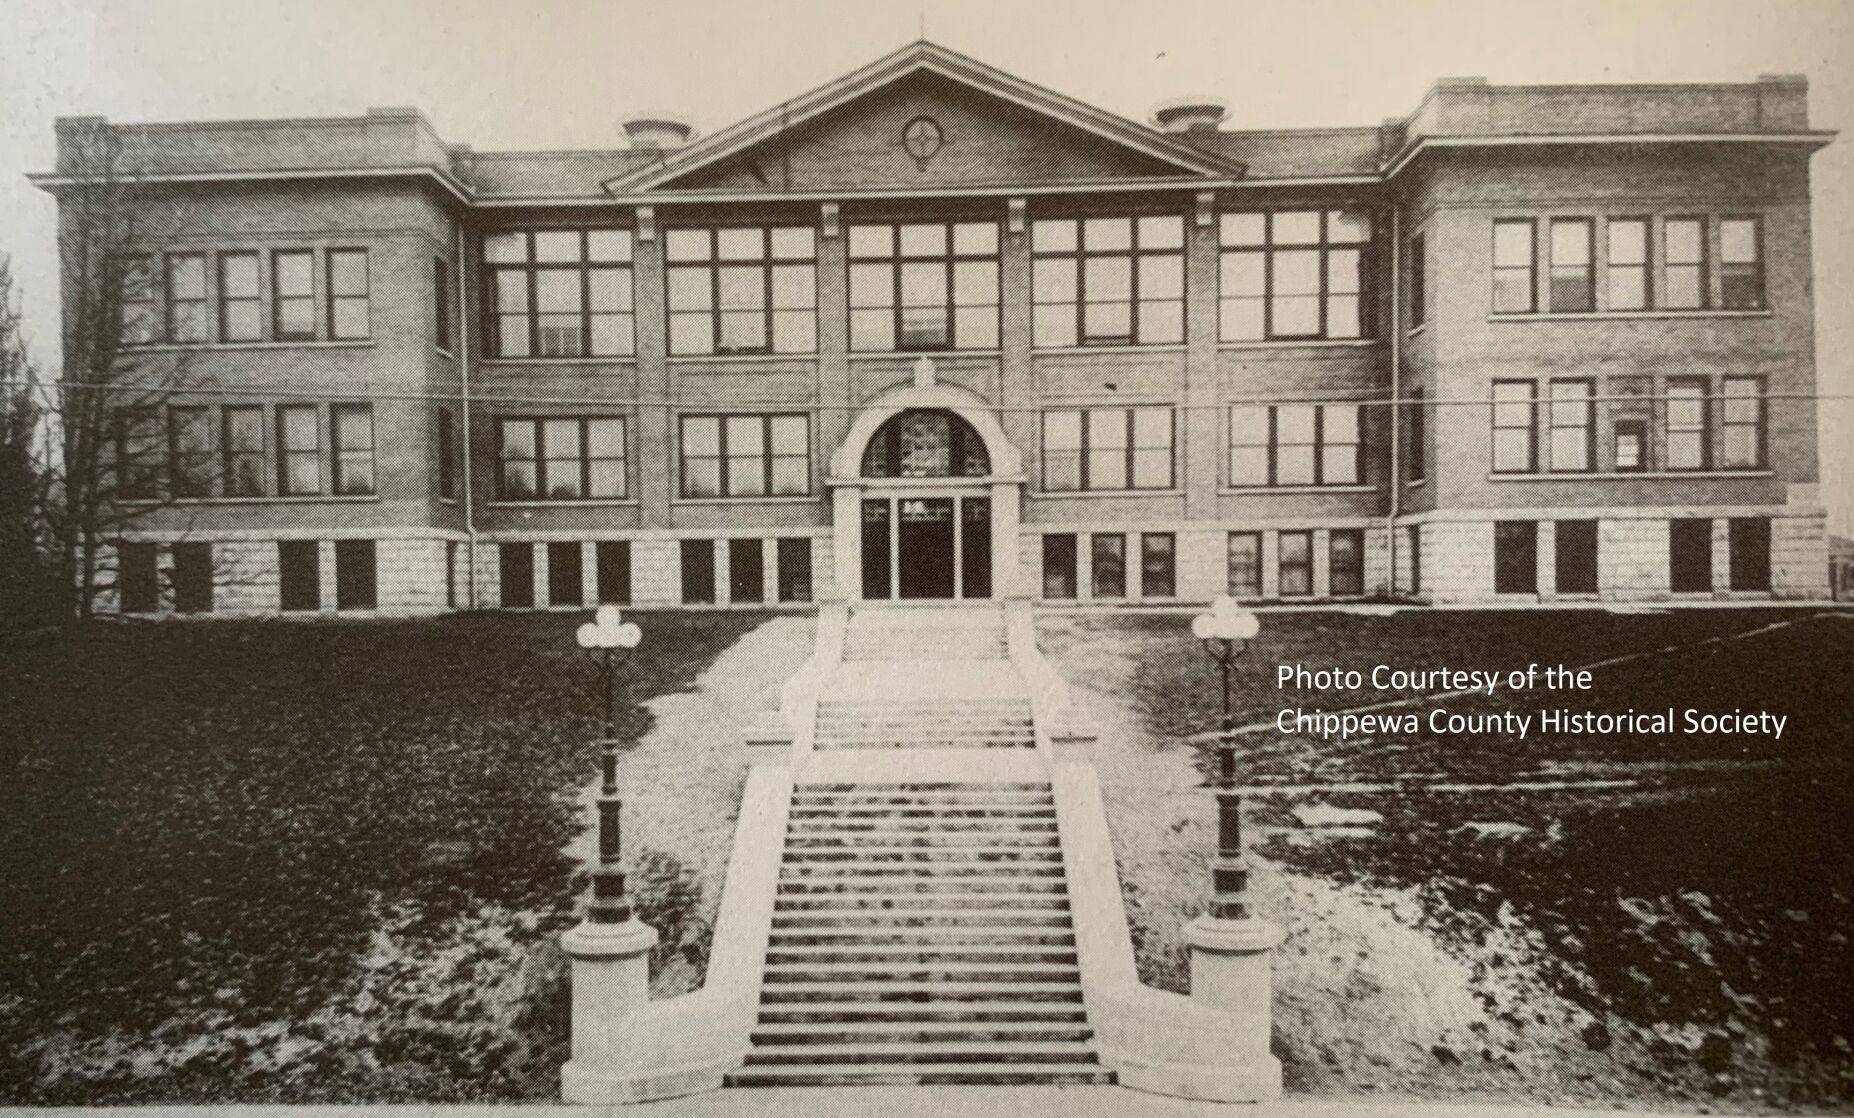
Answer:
(926, 547)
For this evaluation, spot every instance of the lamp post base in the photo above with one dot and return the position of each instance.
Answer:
(1231, 971)
(611, 983)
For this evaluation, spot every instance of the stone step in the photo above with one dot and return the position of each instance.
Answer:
(961, 787)
(831, 743)
(880, 888)
(921, 800)
(875, 970)
(924, 1011)
(901, 955)
(978, 935)
(861, 1031)
(812, 826)
(919, 910)
(932, 1052)
(874, 813)
(915, 1075)
(987, 852)
(914, 991)
(837, 839)
(955, 874)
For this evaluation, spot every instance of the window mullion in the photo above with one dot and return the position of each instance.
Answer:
(1132, 481)
(1268, 285)
(1273, 443)
(1319, 443)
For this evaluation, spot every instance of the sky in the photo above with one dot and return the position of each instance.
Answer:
(561, 73)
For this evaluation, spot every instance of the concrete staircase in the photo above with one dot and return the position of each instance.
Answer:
(927, 633)
(970, 723)
(921, 934)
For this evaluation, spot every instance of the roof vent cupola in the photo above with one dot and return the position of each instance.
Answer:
(1196, 113)
(657, 131)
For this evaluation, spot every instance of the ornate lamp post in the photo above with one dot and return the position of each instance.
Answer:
(607, 636)
(1225, 631)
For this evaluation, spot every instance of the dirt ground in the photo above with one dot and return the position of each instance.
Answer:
(1652, 924)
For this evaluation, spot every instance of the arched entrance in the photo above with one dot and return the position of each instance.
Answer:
(926, 492)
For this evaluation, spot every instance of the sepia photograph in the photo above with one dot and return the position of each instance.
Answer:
(927, 558)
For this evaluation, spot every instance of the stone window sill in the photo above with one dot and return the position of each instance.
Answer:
(587, 502)
(809, 498)
(739, 358)
(1301, 343)
(1622, 316)
(1253, 490)
(280, 499)
(505, 362)
(1626, 475)
(195, 347)
(1074, 494)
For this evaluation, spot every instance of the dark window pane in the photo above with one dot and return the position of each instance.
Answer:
(1295, 573)
(1109, 565)
(565, 571)
(138, 582)
(517, 575)
(299, 567)
(1689, 555)
(1058, 566)
(354, 574)
(1346, 569)
(1750, 553)
(193, 577)
(1245, 565)
(614, 559)
(794, 569)
(1157, 565)
(746, 571)
(1575, 544)
(1516, 557)
(698, 571)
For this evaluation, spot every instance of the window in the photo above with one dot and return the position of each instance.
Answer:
(794, 560)
(1107, 448)
(1516, 557)
(1158, 565)
(1059, 565)
(186, 298)
(1688, 433)
(1575, 545)
(244, 451)
(450, 573)
(1514, 281)
(441, 295)
(193, 577)
(1416, 558)
(1245, 565)
(925, 442)
(1631, 445)
(698, 570)
(299, 450)
(141, 454)
(1295, 444)
(348, 313)
(742, 290)
(1295, 566)
(190, 451)
(613, 558)
(299, 575)
(1514, 419)
(1627, 269)
(746, 455)
(516, 574)
(1748, 542)
(1744, 423)
(138, 581)
(1741, 264)
(1108, 563)
(746, 571)
(569, 458)
(1419, 282)
(924, 286)
(1573, 277)
(1684, 252)
(1419, 435)
(559, 293)
(447, 455)
(1346, 567)
(1573, 426)
(356, 585)
(140, 300)
(565, 574)
(1294, 274)
(1689, 556)
(1107, 280)
(292, 293)
(239, 316)
(352, 429)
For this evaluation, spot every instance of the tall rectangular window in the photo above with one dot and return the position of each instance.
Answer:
(1059, 565)
(244, 451)
(1346, 565)
(299, 575)
(745, 455)
(746, 570)
(1741, 264)
(1628, 287)
(924, 286)
(356, 576)
(1748, 543)
(1295, 444)
(186, 298)
(1108, 564)
(1744, 426)
(349, 298)
(559, 293)
(1418, 453)
(1107, 280)
(1294, 274)
(1516, 557)
(794, 559)
(1294, 568)
(1689, 555)
(1573, 266)
(292, 295)
(142, 454)
(351, 427)
(193, 577)
(450, 574)
(239, 317)
(1107, 449)
(1514, 423)
(1515, 283)
(138, 578)
(447, 455)
(614, 573)
(190, 451)
(299, 450)
(1245, 565)
(1419, 282)
(442, 296)
(698, 571)
(140, 299)
(1415, 546)
(1689, 435)
(1631, 445)
(516, 574)
(565, 573)
(742, 290)
(566, 458)
(1158, 565)
(1573, 426)
(1575, 552)
(1683, 251)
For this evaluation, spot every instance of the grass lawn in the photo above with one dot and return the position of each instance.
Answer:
(263, 861)
(1661, 920)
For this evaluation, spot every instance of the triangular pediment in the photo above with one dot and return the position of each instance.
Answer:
(987, 127)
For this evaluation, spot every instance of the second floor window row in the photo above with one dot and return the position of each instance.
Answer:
(201, 297)
(1680, 262)
(198, 452)
(1693, 425)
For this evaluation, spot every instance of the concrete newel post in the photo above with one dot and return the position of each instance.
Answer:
(611, 983)
(1232, 971)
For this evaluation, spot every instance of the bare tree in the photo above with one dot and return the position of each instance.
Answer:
(26, 595)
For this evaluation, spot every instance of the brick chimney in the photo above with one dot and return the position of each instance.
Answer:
(657, 131)
(1196, 113)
